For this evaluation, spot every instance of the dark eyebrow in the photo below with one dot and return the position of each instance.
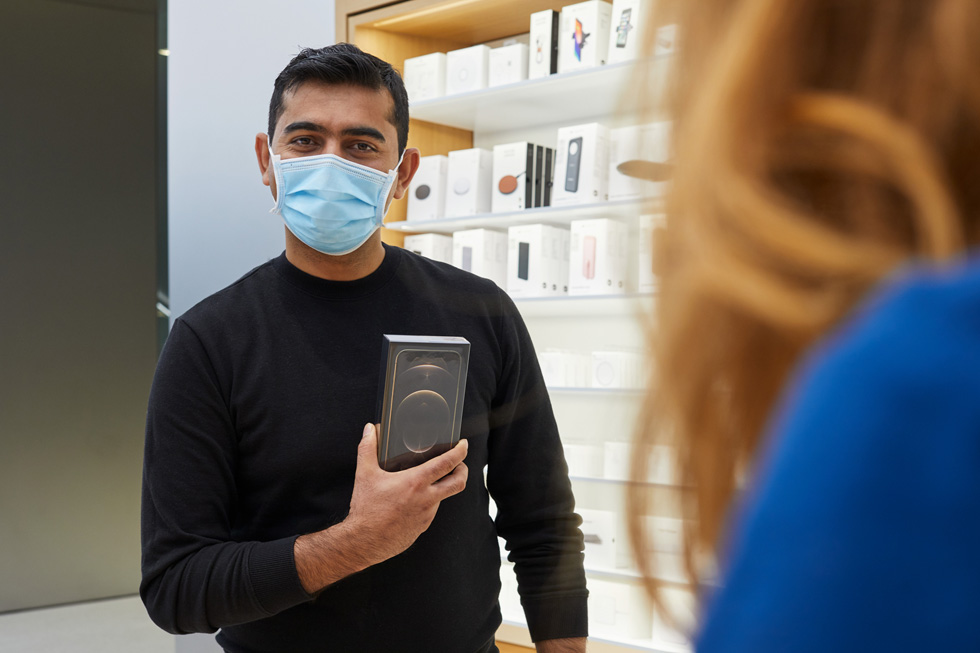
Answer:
(304, 126)
(370, 132)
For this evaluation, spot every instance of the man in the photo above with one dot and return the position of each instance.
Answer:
(265, 512)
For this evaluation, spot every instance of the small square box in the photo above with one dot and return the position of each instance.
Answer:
(425, 77)
(467, 69)
(508, 65)
(434, 246)
(427, 194)
(584, 36)
(468, 182)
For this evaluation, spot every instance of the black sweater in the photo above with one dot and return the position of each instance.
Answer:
(254, 418)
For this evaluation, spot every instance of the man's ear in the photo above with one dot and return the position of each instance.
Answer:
(264, 158)
(406, 171)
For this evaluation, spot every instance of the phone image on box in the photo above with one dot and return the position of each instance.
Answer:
(468, 258)
(523, 263)
(624, 27)
(573, 165)
(588, 257)
(579, 37)
(424, 379)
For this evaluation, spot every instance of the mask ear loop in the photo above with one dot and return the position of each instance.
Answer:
(275, 161)
(392, 178)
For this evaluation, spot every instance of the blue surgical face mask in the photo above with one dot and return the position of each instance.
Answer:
(331, 204)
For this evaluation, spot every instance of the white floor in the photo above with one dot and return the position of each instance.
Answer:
(96, 627)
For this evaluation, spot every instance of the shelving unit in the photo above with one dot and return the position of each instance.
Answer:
(533, 110)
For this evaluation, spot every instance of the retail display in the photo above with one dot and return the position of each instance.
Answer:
(599, 529)
(650, 142)
(508, 64)
(627, 33)
(646, 280)
(422, 387)
(425, 77)
(584, 35)
(467, 69)
(537, 261)
(584, 460)
(582, 171)
(427, 193)
(482, 252)
(617, 368)
(543, 54)
(598, 262)
(619, 610)
(468, 180)
(434, 246)
(565, 369)
(514, 176)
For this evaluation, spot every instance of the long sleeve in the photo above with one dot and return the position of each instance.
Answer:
(196, 577)
(528, 479)
(859, 533)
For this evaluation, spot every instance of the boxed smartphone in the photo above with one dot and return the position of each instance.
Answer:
(618, 368)
(467, 69)
(425, 77)
(646, 279)
(537, 257)
(598, 259)
(584, 35)
(468, 182)
(482, 252)
(513, 177)
(619, 609)
(434, 246)
(582, 169)
(627, 29)
(543, 53)
(650, 142)
(423, 381)
(427, 194)
(508, 65)
(599, 529)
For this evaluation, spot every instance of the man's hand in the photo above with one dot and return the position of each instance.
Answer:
(388, 511)
(568, 645)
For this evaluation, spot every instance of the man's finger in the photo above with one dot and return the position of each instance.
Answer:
(452, 484)
(443, 464)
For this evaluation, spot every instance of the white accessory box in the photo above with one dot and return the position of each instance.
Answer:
(427, 193)
(468, 182)
(425, 77)
(482, 252)
(537, 261)
(508, 65)
(584, 36)
(582, 167)
(434, 246)
(467, 69)
(543, 52)
(598, 260)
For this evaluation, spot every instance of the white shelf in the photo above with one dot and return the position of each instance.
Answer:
(617, 481)
(627, 305)
(565, 99)
(553, 215)
(627, 392)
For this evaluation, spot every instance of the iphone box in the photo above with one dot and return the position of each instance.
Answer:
(583, 40)
(582, 166)
(508, 65)
(427, 194)
(482, 252)
(543, 52)
(467, 69)
(599, 529)
(468, 179)
(425, 77)
(434, 246)
(650, 142)
(646, 279)
(513, 177)
(626, 29)
(537, 257)
(598, 260)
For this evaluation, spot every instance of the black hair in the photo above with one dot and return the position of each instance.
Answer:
(343, 63)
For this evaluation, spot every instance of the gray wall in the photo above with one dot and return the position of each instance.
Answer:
(77, 284)
(224, 58)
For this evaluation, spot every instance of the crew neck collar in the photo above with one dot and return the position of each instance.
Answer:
(340, 290)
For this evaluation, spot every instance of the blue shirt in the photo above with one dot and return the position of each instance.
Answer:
(861, 530)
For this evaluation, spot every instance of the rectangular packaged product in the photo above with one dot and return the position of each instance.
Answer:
(423, 382)
(598, 260)
(508, 65)
(584, 35)
(650, 142)
(537, 261)
(627, 29)
(467, 69)
(599, 530)
(513, 177)
(427, 194)
(468, 182)
(482, 252)
(434, 246)
(582, 170)
(543, 52)
(425, 77)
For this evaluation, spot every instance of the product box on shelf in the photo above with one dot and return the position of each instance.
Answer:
(682, 606)
(627, 29)
(513, 177)
(619, 609)
(467, 69)
(537, 261)
(468, 181)
(543, 53)
(583, 460)
(618, 368)
(646, 279)
(565, 369)
(598, 259)
(434, 246)
(508, 64)
(482, 252)
(650, 142)
(425, 77)
(544, 175)
(427, 194)
(584, 35)
(599, 529)
(582, 169)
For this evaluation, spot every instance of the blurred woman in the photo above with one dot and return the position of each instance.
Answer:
(819, 322)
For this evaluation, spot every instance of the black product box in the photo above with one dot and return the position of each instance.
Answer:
(423, 381)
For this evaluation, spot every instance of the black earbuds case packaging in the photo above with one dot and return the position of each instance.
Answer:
(422, 384)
